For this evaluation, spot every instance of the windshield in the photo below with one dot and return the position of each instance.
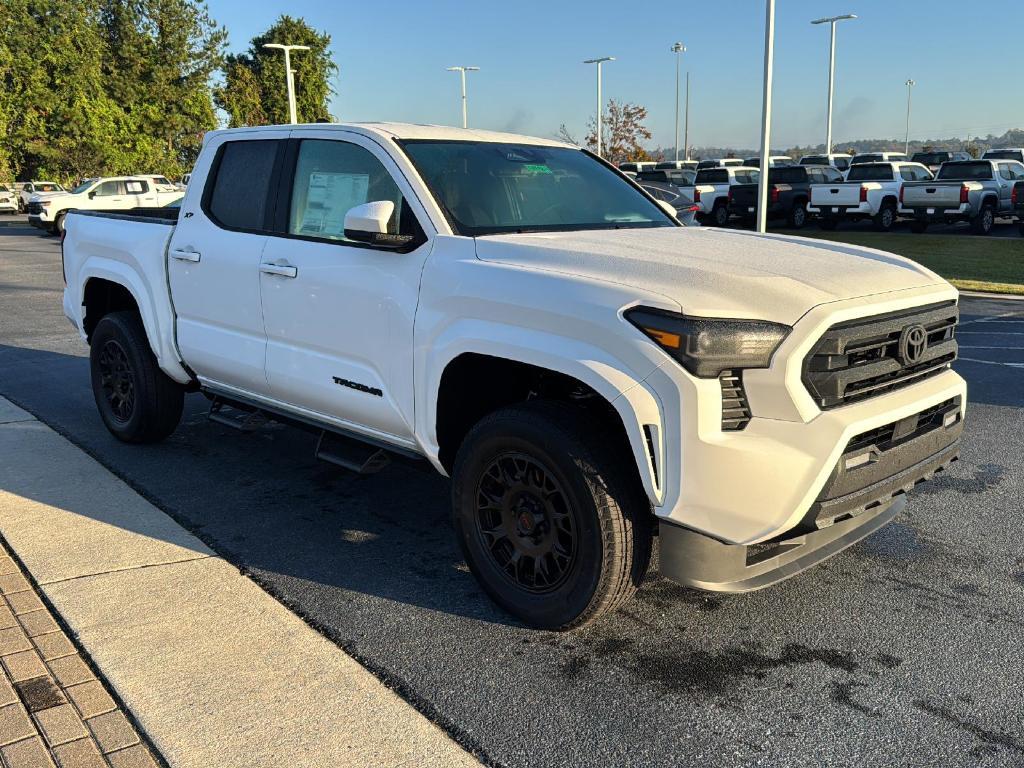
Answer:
(930, 158)
(1005, 154)
(488, 188)
(869, 172)
(966, 171)
(47, 186)
(83, 186)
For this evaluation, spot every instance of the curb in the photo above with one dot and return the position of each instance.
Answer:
(215, 670)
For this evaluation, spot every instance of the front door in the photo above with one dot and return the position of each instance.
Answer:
(214, 262)
(339, 313)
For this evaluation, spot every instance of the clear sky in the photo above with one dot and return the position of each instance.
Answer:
(392, 56)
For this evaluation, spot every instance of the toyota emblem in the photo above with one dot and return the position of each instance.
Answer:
(913, 343)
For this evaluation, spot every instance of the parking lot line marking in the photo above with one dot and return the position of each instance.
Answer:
(991, 362)
(994, 318)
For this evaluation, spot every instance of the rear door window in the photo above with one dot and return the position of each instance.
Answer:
(237, 193)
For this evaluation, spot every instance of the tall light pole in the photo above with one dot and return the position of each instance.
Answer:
(600, 110)
(766, 116)
(677, 49)
(289, 74)
(686, 119)
(832, 20)
(906, 146)
(462, 72)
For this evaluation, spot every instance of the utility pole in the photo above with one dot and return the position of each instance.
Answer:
(678, 49)
(766, 116)
(906, 147)
(462, 71)
(833, 20)
(600, 110)
(289, 74)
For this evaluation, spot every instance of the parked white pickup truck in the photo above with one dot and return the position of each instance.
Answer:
(119, 193)
(871, 191)
(711, 191)
(520, 315)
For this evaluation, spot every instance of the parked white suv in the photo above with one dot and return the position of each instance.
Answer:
(8, 199)
(871, 191)
(711, 191)
(30, 189)
(516, 313)
(117, 193)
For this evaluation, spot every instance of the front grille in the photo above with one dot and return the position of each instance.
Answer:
(35, 208)
(735, 409)
(862, 358)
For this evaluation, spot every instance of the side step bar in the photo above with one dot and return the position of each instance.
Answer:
(350, 451)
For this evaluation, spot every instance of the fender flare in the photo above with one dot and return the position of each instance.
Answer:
(635, 402)
(160, 338)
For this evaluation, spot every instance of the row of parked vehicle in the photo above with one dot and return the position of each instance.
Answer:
(929, 187)
(48, 203)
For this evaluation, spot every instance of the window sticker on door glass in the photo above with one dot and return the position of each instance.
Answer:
(328, 198)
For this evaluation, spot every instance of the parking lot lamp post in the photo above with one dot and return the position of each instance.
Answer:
(289, 75)
(600, 124)
(832, 20)
(462, 72)
(686, 120)
(677, 49)
(766, 116)
(906, 146)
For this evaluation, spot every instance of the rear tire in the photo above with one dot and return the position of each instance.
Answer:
(885, 219)
(551, 518)
(918, 227)
(137, 401)
(797, 217)
(720, 215)
(983, 222)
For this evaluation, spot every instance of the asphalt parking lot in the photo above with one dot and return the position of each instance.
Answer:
(904, 650)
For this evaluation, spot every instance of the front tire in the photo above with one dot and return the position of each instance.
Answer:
(551, 519)
(137, 401)
(58, 224)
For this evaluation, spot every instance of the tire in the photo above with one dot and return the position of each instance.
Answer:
(885, 219)
(829, 223)
(137, 401)
(797, 216)
(983, 222)
(918, 227)
(720, 216)
(591, 507)
(58, 224)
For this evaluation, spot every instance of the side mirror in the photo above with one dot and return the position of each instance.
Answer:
(667, 208)
(368, 223)
(92, 194)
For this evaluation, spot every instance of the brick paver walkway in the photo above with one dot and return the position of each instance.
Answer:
(53, 710)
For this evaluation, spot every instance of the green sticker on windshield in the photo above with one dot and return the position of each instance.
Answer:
(536, 169)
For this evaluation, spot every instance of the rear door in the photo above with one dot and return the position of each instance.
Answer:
(214, 260)
(141, 192)
(339, 313)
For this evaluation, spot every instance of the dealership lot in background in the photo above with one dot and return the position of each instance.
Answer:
(903, 650)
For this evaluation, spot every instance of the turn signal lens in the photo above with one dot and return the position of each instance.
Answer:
(707, 346)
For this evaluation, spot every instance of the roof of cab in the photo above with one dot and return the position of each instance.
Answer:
(403, 131)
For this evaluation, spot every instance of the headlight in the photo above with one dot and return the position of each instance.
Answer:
(707, 346)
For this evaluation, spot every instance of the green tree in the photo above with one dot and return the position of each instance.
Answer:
(253, 92)
(622, 132)
(160, 57)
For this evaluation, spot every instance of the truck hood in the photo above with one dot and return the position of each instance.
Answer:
(715, 272)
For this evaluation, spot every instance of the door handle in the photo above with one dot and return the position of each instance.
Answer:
(282, 270)
(180, 255)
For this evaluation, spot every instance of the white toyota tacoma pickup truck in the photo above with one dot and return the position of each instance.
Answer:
(871, 191)
(518, 313)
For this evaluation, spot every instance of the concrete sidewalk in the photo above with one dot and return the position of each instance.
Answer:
(216, 672)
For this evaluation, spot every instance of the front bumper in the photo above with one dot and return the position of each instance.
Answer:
(865, 491)
(37, 221)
